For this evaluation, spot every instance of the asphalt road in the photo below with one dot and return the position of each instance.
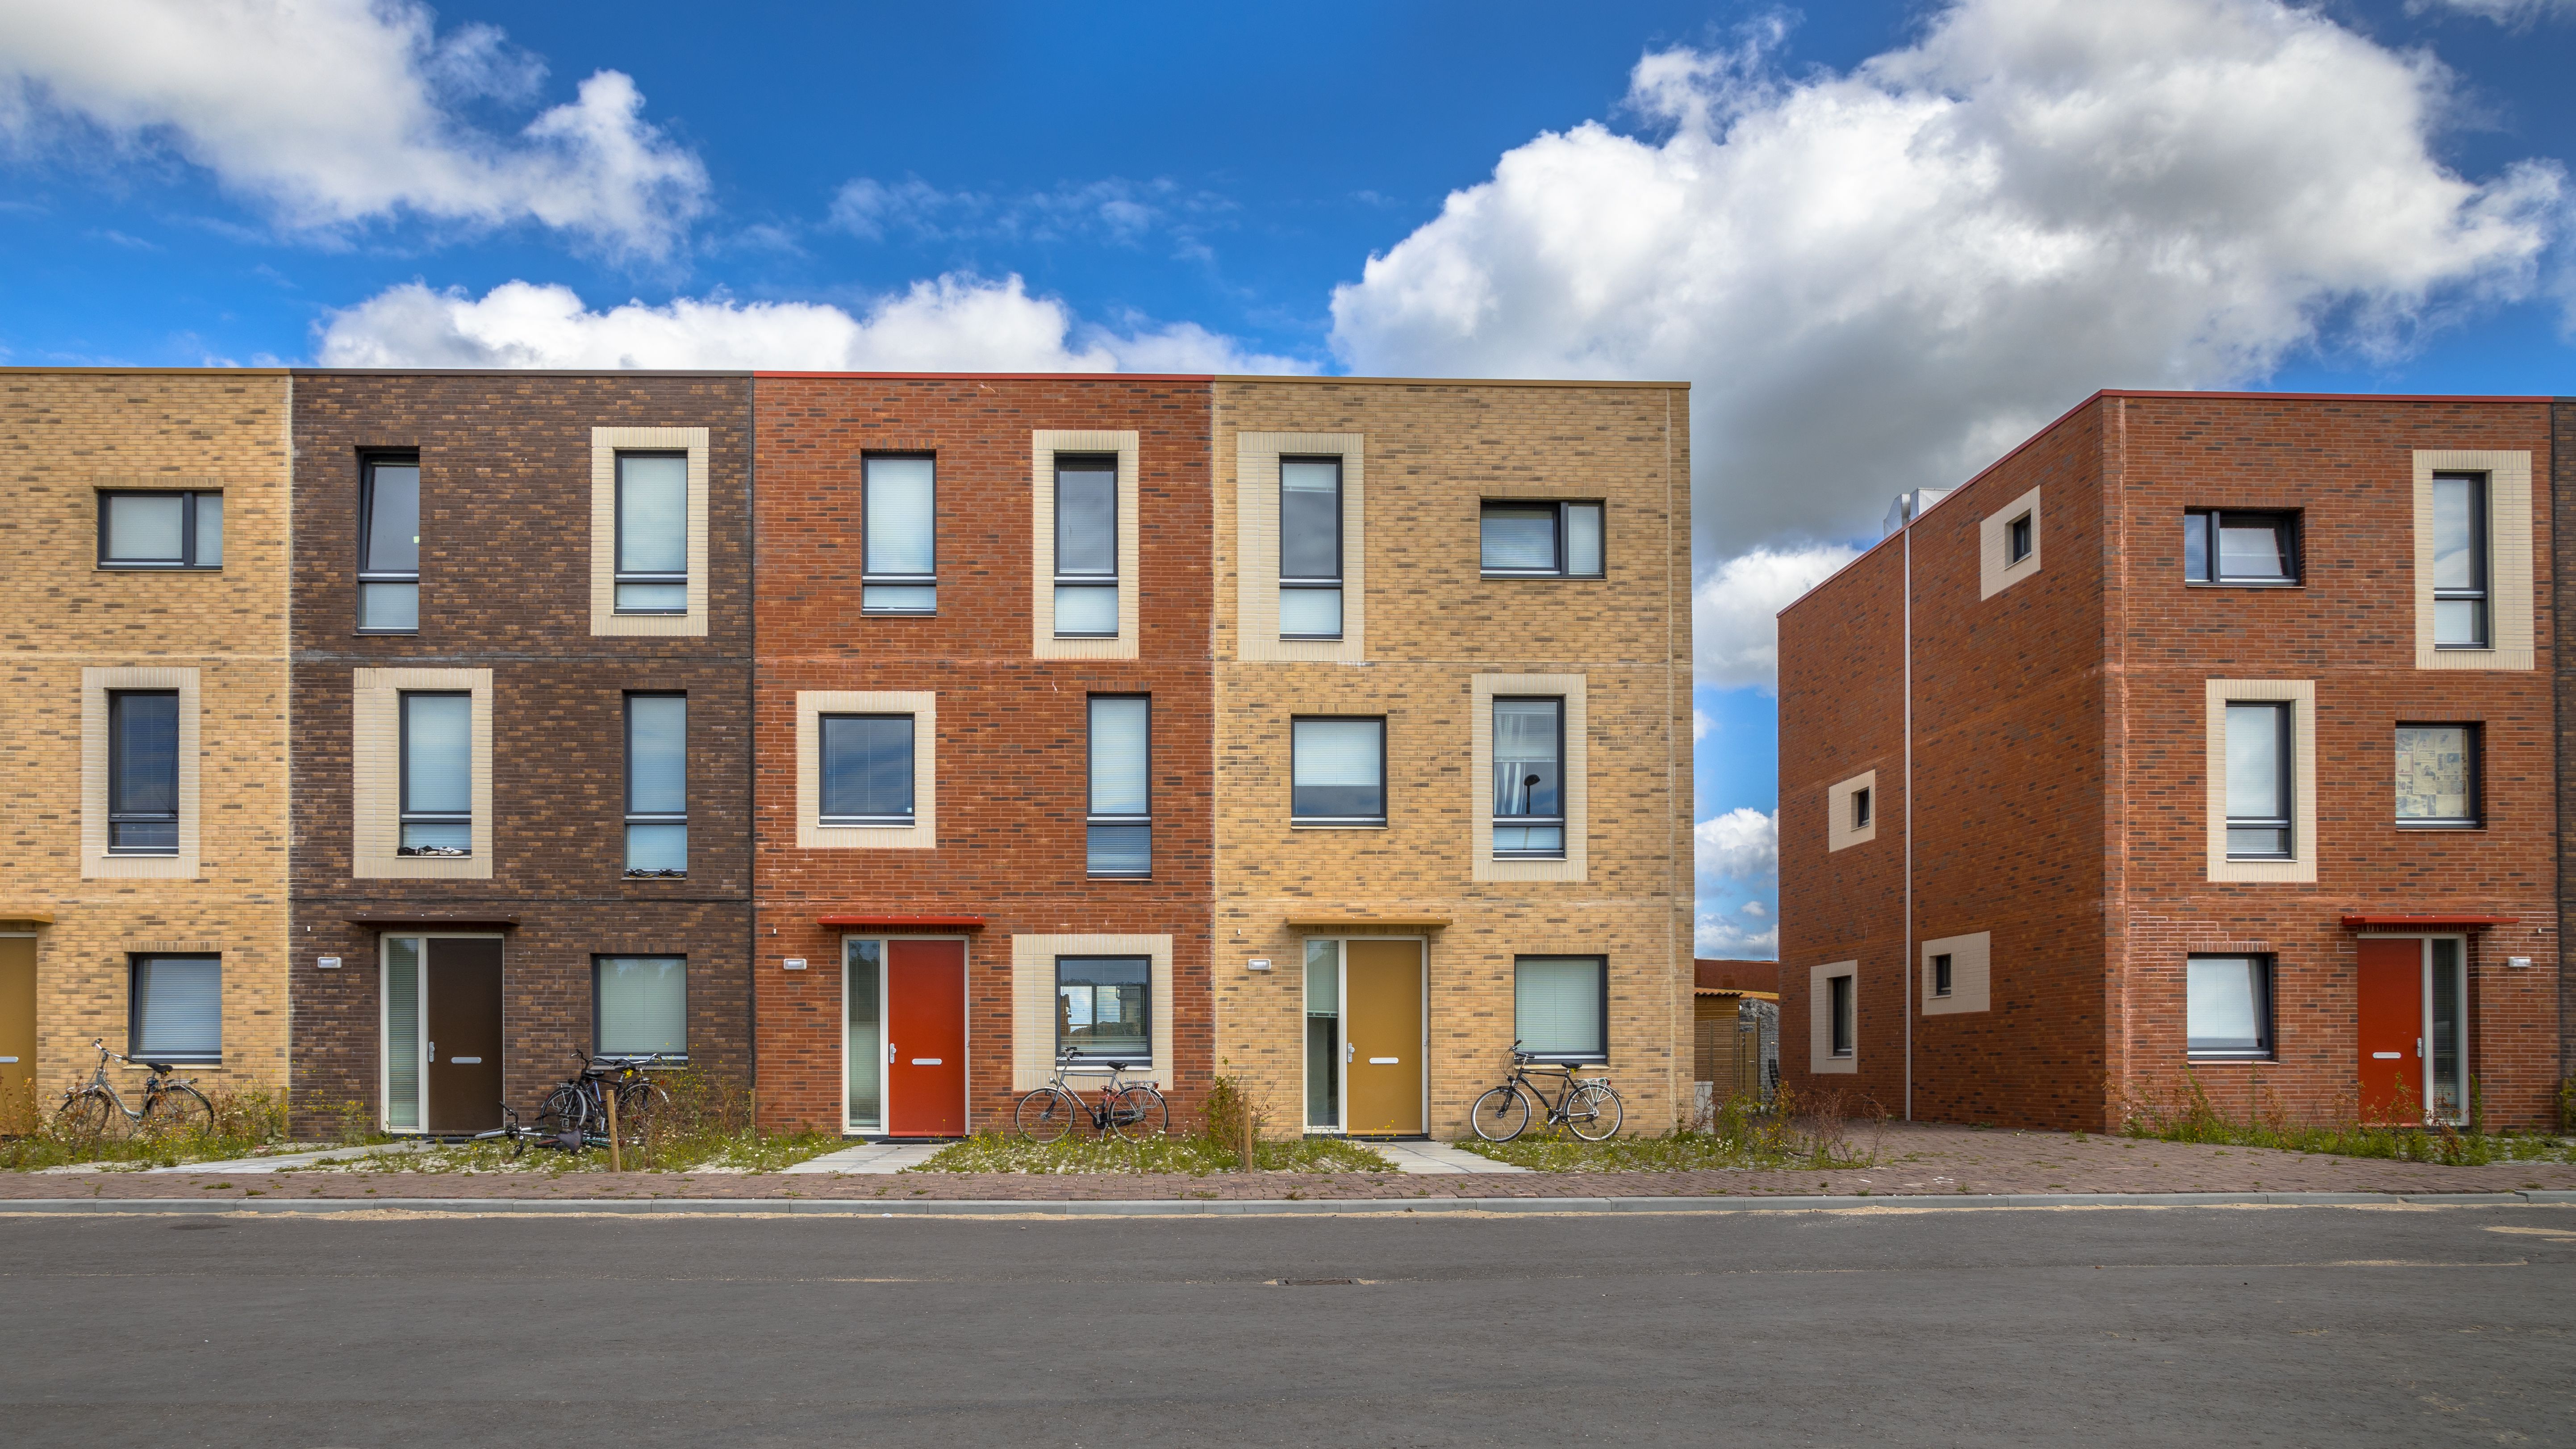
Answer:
(2285, 1325)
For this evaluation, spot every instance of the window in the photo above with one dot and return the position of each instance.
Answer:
(1542, 540)
(1941, 974)
(652, 533)
(1841, 1016)
(1338, 771)
(389, 546)
(1310, 548)
(176, 1009)
(1561, 1007)
(899, 572)
(437, 774)
(640, 1005)
(2258, 781)
(2460, 614)
(657, 785)
(2437, 775)
(1086, 548)
(1529, 778)
(1104, 1008)
(2017, 539)
(1120, 820)
(2221, 546)
(867, 769)
(143, 772)
(160, 530)
(1860, 816)
(2228, 1007)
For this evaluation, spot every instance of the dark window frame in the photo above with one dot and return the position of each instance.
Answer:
(404, 814)
(1385, 787)
(869, 576)
(117, 814)
(618, 572)
(2287, 774)
(822, 730)
(1842, 1006)
(1092, 814)
(2211, 524)
(2021, 538)
(1335, 582)
(135, 1045)
(186, 562)
(1864, 807)
(1601, 978)
(1563, 785)
(1063, 1052)
(2269, 967)
(626, 733)
(1114, 583)
(598, 959)
(1563, 568)
(2476, 753)
(367, 573)
(2481, 559)
(1941, 974)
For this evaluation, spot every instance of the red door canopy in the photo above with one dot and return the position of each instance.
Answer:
(926, 1033)
(2391, 1029)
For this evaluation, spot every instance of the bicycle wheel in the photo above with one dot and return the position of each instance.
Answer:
(564, 1120)
(1500, 1114)
(85, 1115)
(1047, 1114)
(1138, 1113)
(637, 1104)
(177, 1110)
(1593, 1112)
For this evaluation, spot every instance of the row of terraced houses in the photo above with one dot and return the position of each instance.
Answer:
(383, 738)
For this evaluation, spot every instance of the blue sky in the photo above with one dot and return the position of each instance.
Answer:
(1882, 240)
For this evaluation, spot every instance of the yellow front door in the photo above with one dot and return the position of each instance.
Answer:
(1382, 1012)
(17, 1029)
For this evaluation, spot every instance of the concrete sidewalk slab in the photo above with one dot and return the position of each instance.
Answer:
(1437, 1157)
(283, 1160)
(868, 1158)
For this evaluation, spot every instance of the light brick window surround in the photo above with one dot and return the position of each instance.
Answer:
(1997, 569)
(1256, 525)
(2301, 695)
(375, 774)
(2509, 559)
(96, 862)
(1576, 864)
(1840, 831)
(1044, 445)
(605, 445)
(1820, 1026)
(1033, 1002)
(1971, 972)
(811, 832)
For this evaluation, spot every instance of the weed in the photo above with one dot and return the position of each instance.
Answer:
(2185, 1114)
(1794, 1131)
(246, 1121)
(1196, 1156)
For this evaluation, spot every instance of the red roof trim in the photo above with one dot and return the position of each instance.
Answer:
(2362, 921)
(882, 920)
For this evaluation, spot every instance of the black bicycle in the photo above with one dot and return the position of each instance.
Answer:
(1133, 1110)
(574, 1114)
(1584, 1106)
(171, 1105)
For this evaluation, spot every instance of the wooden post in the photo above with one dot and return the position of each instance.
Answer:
(1248, 1162)
(616, 1160)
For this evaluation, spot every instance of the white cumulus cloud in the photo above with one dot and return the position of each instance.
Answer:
(1722, 935)
(1741, 845)
(334, 113)
(956, 322)
(1880, 279)
(1735, 634)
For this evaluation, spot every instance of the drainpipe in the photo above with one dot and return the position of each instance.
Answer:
(1905, 971)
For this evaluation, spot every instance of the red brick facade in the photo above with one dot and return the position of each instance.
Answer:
(2059, 769)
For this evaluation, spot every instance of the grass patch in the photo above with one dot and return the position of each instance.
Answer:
(2187, 1115)
(1813, 1134)
(706, 1126)
(1195, 1156)
(246, 1123)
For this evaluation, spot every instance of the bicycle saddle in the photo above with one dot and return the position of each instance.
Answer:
(164, 1068)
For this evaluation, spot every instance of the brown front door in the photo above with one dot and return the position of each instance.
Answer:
(17, 1029)
(1382, 1012)
(464, 1020)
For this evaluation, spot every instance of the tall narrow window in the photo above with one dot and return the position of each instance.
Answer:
(389, 547)
(2437, 775)
(1120, 818)
(143, 772)
(2258, 781)
(1541, 540)
(1310, 548)
(1337, 771)
(1086, 548)
(1844, 1022)
(2460, 613)
(1529, 778)
(866, 769)
(176, 1011)
(640, 1006)
(437, 774)
(1861, 805)
(1561, 1007)
(2227, 1007)
(1105, 1008)
(657, 785)
(2019, 536)
(160, 530)
(900, 573)
(1941, 974)
(652, 533)
(2226, 547)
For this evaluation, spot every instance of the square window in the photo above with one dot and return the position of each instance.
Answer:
(2228, 1007)
(2229, 546)
(640, 1006)
(866, 771)
(1337, 771)
(1541, 540)
(389, 546)
(2437, 775)
(160, 530)
(176, 1009)
(1561, 1007)
(899, 570)
(1105, 1009)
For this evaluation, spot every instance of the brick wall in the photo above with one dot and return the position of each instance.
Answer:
(2562, 493)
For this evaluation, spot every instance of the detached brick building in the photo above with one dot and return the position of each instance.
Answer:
(2207, 741)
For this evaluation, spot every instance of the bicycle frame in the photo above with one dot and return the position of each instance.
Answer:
(1109, 1090)
(98, 1081)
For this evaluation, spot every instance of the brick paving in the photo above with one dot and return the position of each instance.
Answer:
(1914, 1160)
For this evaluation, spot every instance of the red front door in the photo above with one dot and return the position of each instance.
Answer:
(2392, 1030)
(926, 1038)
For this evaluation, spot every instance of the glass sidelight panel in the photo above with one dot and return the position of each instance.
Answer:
(863, 1033)
(1324, 1036)
(2448, 1048)
(402, 1033)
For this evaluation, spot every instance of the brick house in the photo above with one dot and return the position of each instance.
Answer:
(2205, 743)
(521, 734)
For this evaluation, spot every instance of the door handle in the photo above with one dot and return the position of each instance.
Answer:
(433, 1051)
(889, 1053)
(1350, 1050)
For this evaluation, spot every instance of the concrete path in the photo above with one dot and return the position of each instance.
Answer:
(869, 1157)
(1437, 1157)
(281, 1160)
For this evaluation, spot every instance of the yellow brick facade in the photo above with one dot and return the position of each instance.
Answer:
(1432, 451)
(218, 636)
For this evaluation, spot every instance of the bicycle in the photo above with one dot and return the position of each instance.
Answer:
(574, 1114)
(1133, 1110)
(170, 1105)
(1586, 1106)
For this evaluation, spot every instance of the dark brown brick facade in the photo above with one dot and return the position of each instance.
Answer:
(2060, 768)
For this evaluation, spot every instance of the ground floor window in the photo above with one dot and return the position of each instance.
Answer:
(1104, 1008)
(1561, 1007)
(2228, 1008)
(1844, 1019)
(177, 1009)
(640, 1005)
